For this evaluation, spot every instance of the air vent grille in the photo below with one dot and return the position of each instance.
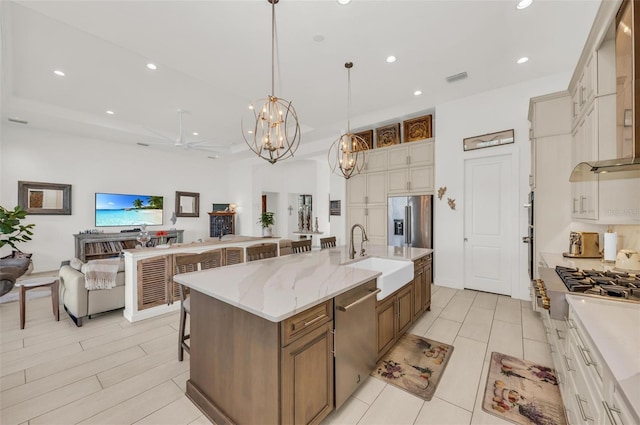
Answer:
(18, 120)
(456, 77)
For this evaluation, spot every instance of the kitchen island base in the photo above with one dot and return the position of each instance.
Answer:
(242, 373)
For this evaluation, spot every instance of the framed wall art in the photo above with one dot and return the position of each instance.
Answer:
(488, 140)
(44, 198)
(334, 207)
(388, 135)
(367, 136)
(417, 129)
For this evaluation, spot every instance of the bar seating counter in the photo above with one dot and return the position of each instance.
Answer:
(262, 334)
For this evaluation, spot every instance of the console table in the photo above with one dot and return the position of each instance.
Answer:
(93, 246)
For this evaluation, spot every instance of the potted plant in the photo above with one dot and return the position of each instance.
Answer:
(266, 221)
(12, 233)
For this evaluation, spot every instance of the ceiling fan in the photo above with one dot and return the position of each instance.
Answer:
(182, 143)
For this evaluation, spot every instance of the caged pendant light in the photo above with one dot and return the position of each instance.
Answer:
(347, 154)
(271, 127)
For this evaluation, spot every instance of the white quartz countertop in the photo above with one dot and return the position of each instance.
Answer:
(614, 328)
(278, 288)
(553, 259)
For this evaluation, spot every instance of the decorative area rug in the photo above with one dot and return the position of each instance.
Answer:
(415, 364)
(522, 392)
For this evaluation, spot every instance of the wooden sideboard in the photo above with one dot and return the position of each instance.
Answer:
(93, 246)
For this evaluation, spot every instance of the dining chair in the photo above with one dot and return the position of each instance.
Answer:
(185, 263)
(329, 242)
(298, 247)
(262, 251)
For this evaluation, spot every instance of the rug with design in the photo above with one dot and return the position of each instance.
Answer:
(523, 392)
(415, 364)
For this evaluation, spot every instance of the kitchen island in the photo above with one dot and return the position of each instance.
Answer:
(262, 334)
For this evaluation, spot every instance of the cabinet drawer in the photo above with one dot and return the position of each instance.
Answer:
(302, 323)
(587, 354)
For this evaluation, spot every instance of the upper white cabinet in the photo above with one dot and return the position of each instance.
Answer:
(367, 188)
(410, 154)
(596, 78)
(376, 160)
(398, 170)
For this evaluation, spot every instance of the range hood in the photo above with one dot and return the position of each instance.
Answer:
(627, 96)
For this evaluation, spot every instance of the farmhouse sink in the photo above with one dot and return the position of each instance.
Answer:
(395, 274)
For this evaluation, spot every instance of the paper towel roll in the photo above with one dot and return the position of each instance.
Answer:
(610, 246)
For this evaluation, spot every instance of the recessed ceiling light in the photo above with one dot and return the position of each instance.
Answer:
(59, 73)
(523, 4)
(344, 2)
(152, 66)
(195, 133)
(110, 112)
(417, 93)
(391, 59)
(522, 60)
(250, 131)
(250, 106)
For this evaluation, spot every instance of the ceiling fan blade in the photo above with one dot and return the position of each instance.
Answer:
(212, 140)
(162, 136)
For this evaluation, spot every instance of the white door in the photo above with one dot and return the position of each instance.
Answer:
(490, 216)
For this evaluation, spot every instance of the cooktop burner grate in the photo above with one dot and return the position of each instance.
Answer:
(608, 283)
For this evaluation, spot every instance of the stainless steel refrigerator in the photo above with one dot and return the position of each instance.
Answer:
(410, 221)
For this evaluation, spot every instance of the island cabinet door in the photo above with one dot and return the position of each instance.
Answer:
(307, 377)
(428, 280)
(418, 292)
(386, 317)
(405, 309)
(154, 282)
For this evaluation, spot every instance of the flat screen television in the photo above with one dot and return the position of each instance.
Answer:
(116, 209)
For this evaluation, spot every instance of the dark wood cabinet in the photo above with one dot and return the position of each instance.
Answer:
(394, 316)
(307, 377)
(422, 286)
(386, 319)
(396, 313)
(222, 223)
(405, 309)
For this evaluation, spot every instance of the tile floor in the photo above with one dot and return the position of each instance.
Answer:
(111, 371)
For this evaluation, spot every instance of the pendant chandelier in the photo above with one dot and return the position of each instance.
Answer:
(347, 154)
(271, 127)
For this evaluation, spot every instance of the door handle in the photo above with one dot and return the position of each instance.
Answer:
(359, 300)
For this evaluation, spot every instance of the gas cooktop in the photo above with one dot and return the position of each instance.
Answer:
(610, 284)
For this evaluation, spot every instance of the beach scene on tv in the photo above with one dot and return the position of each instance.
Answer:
(128, 210)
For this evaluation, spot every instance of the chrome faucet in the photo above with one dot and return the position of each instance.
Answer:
(352, 250)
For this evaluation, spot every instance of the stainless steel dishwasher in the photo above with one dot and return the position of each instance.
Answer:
(354, 338)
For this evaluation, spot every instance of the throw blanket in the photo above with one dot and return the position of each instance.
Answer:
(101, 274)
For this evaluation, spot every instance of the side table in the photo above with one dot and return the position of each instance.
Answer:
(38, 282)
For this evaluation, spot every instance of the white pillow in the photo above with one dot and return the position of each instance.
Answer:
(76, 263)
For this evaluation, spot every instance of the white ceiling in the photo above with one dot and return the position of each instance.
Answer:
(213, 59)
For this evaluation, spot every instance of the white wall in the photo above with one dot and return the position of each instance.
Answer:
(496, 110)
(91, 166)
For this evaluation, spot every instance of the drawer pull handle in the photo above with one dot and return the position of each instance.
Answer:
(558, 333)
(582, 412)
(311, 322)
(566, 360)
(583, 352)
(359, 300)
(609, 411)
